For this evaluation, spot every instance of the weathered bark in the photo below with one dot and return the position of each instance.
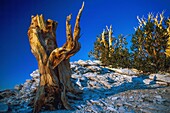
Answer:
(107, 45)
(53, 62)
(168, 42)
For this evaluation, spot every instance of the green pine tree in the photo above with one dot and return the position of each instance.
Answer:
(149, 43)
(111, 51)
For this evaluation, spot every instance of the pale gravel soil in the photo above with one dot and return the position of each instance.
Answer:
(131, 101)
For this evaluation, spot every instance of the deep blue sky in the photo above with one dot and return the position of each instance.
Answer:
(16, 59)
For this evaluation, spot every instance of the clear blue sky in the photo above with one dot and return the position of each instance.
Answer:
(16, 59)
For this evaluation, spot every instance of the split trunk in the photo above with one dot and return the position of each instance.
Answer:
(53, 62)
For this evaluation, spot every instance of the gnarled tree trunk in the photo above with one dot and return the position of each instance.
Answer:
(53, 62)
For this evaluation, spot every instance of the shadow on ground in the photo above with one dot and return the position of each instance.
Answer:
(137, 82)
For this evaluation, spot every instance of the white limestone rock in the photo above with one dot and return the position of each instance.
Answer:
(83, 63)
(125, 71)
(94, 68)
(103, 90)
(121, 109)
(18, 87)
(111, 109)
(97, 62)
(90, 75)
(147, 81)
(35, 74)
(93, 63)
(160, 77)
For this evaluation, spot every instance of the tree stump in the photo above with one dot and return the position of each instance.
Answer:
(53, 62)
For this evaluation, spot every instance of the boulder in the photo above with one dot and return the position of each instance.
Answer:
(125, 71)
(94, 68)
(18, 87)
(35, 74)
(97, 62)
(82, 63)
(93, 63)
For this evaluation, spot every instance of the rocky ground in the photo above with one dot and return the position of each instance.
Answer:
(105, 90)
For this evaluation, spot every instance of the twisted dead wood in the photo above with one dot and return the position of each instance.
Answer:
(53, 61)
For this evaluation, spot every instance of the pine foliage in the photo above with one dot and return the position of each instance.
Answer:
(110, 50)
(150, 49)
(149, 44)
(168, 42)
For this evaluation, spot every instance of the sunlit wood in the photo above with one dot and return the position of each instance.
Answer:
(53, 61)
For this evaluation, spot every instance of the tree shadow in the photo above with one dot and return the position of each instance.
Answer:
(153, 81)
(137, 82)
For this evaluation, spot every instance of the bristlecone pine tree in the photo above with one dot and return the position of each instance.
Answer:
(149, 44)
(53, 62)
(111, 51)
(168, 43)
(103, 46)
(121, 55)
